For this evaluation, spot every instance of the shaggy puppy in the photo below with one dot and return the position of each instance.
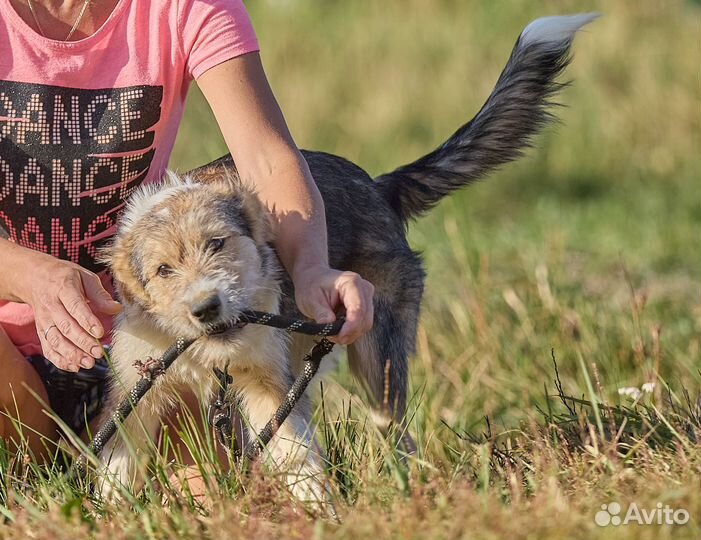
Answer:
(196, 250)
(188, 255)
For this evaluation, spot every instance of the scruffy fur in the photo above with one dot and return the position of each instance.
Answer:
(212, 233)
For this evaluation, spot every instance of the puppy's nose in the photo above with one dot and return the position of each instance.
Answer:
(207, 310)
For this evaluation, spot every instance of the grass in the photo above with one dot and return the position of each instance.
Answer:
(584, 255)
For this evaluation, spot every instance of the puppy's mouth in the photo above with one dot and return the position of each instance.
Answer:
(224, 328)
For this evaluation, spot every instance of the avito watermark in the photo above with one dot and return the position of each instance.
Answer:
(612, 514)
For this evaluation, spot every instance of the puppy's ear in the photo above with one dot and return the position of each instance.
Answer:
(122, 259)
(105, 255)
(243, 197)
(257, 217)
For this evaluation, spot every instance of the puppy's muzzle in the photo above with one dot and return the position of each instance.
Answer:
(208, 311)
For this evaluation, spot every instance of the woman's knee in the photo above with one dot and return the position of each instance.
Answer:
(23, 398)
(20, 381)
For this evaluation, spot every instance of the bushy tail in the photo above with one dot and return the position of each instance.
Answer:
(515, 111)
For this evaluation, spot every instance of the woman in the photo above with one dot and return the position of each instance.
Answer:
(91, 95)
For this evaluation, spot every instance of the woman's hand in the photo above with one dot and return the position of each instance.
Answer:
(321, 291)
(65, 298)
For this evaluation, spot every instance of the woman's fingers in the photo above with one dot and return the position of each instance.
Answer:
(60, 351)
(323, 294)
(73, 300)
(98, 296)
(356, 295)
(74, 332)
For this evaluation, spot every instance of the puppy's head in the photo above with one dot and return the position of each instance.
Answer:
(188, 255)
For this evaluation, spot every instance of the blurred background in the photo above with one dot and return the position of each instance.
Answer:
(589, 247)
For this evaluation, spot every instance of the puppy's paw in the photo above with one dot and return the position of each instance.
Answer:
(117, 475)
(308, 484)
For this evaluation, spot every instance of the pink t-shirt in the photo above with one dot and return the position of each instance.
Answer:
(84, 123)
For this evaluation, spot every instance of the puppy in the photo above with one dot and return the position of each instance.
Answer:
(188, 255)
(197, 250)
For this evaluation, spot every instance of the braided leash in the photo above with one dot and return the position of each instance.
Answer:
(223, 422)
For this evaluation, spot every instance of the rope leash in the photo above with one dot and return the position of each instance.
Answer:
(151, 369)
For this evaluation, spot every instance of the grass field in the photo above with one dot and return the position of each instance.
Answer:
(584, 254)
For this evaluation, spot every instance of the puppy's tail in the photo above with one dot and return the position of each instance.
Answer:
(516, 111)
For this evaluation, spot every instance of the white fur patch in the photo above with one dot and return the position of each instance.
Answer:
(381, 419)
(557, 28)
(147, 197)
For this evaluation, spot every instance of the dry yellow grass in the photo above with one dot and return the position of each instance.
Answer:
(587, 249)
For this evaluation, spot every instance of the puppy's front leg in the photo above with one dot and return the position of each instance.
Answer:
(134, 442)
(292, 449)
(128, 449)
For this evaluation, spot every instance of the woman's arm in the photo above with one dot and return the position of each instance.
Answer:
(265, 154)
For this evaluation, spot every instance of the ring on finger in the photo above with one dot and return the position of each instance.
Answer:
(46, 332)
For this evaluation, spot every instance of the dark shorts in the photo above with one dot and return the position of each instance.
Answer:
(76, 398)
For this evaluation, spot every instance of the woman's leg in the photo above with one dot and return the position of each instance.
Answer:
(22, 395)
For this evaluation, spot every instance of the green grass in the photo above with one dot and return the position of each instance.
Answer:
(585, 252)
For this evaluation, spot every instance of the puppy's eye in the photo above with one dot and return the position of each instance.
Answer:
(164, 271)
(215, 244)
